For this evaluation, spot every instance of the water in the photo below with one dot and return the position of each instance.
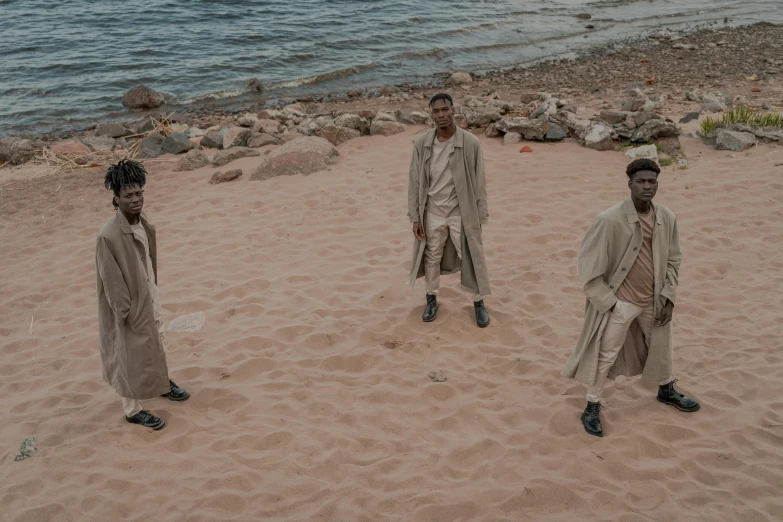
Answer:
(66, 64)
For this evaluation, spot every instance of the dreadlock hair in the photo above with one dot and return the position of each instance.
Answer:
(441, 96)
(641, 164)
(125, 173)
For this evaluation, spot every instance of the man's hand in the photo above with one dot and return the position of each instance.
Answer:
(418, 231)
(666, 314)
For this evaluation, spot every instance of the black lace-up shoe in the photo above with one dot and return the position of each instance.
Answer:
(431, 310)
(668, 395)
(146, 419)
(176, 393)
(482, 316)
(592, 420)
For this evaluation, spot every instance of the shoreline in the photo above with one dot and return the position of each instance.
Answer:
(550, 74)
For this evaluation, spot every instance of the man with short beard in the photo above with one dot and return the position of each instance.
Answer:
(629, 263)
(447, 204)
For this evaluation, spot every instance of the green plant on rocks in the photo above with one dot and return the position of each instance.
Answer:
(742, 114)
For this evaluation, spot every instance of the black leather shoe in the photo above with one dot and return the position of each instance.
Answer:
(176, 393)
(431, 310)
(146, 419)
(482, 316)
(592, 420)
(668, 395)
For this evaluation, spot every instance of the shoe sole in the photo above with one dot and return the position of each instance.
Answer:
(433, 316)
(593, 433)
(186, 397)
(686, 410)
(484, 325)
(155, 428)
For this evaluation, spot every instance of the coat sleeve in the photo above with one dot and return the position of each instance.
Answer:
(482, 188)
(113, 283)
(593, 261)
(413, 187)
(669, 290)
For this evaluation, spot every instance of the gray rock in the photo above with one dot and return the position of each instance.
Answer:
(26, 449)
(640, 118)
(419, 118)
(338, 135)
(385, 116)
(152, 146)
(194, 159)
(653, 129)
(177, 143)
(16, 151)
(223, 177)
(714, 107)
(669, 145)
(598, 136)
(512, 138)
(304, 155)
(529, 97)
(386, 128)
(247, 120)
(142, 97)
(481, 117)
(261, 139)
(733, 140)
(268, 126)
(645, 151)
(353, 121)
(223, 157)
(555, 133)
(235, 137)
(98, 143)
(188, 323)
(492, 131)
(145, 126)
(195, 132)
(584, 16)
(213, 140)
(113, 130)
(254, 84)
(613, 117)
(689, 117)
(460, 78)
(529, 129)
(460, 121)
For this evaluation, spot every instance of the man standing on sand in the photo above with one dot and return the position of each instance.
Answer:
(447, 204)
(129, 311)
(629, 262)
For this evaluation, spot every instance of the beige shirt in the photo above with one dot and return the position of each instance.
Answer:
(442, 196)
(639, 285)
(141, 234)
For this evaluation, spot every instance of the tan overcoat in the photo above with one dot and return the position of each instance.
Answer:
(132, 355)
(605, 257)
(467, 169)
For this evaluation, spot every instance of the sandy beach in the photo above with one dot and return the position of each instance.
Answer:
(310, 391)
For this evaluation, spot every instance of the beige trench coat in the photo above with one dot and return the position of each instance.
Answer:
(132, 355)
(467, 169)
(607, 253)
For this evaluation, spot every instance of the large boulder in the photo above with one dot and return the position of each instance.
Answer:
(304, 155)
(733, 140)
(529, 129)
(213, 140)
(338, 135)
(639, 101)
(194, 159)
(177, 143)
(385, 116)
(529, 97)
(98, 143)
(598, 136)
(419, 118)
(247, 120)
(654, 129)
(151, 146)
(613, 117)
(481, 117)
(512, 138)
(113, 130)
(386, 128)
(236, 137)
(142, 97)
(223, 177)
(460, 78)
(223, 157)
(16, 150)
(260, 139)
(555, 133)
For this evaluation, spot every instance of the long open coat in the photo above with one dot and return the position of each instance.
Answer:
(605, 257)
(132, 355)
(467, 169)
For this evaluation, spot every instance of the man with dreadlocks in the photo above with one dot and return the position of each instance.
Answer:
(129, 312)
(447, 205)
(629, 264)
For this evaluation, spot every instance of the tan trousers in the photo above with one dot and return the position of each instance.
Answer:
(437, 230)
(132, 406)
(613, 339)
